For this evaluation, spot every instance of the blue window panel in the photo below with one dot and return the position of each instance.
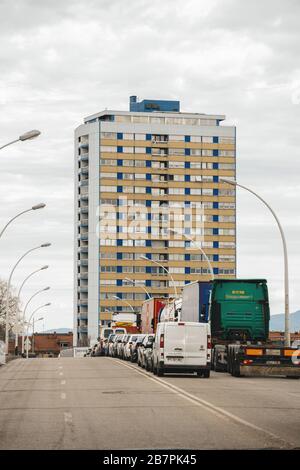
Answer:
(119, 242)
(215, 166)
(119, 255)
(187, 178)
(215, 153)
(148, 176)
(187, 203)
(149, 229)
(215, 218)
(187, 217)
(187, 138)
(187, 165)
(148, 163)
(119, 282)
(120, 162)
(187, 244)
(216, 270)
(119, 294)
(187, 191)
(187, 231)
(148, 283)
(148, 203)
(215, 231)
(119, 149)
(119, 269)
(120, 135)
(187, 257)
(118, 215)
(215, 192)
(215, 205)
(216, 244)
(187, 270)
(149, 215)
(148, 190)
(120, 176)
(215, 140)
(148, 243)
(216, 257)
(187, 282)
(187, 152)
(119, 189)
(148, 136)
(118, 229)
(119, 308)
(215, 179)
(148, 269)
(148, 150)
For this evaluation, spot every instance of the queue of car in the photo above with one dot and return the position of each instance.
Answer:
(177, 347)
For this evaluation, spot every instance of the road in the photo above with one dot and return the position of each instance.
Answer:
(104, 403)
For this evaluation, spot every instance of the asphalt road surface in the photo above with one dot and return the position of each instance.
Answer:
(104, 403)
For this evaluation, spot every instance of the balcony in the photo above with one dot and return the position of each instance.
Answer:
(83, 236)
(84, 157)
(84, 182)
(83, 262)
(83, 275)
(84, 170)
(83, 145)
(83, 289)
(83, 249)
(83, 222)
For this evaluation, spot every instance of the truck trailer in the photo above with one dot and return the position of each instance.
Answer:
(239, 315)
(151, 310)
(195, 301)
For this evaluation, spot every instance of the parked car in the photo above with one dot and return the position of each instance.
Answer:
(145, 351)
(127, 347)
(134, 348)
(119, 346)
(182, 347)
(110, 344)
(124, 341)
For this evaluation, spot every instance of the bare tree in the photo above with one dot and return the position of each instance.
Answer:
(14, 308)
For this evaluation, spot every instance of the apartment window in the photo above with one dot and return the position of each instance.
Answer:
(159, 151)
(226, 271)
(176, 270)
(140, 150)
(127, 269)
(176, 257)
(196, 271)
(139, 269)
(207, 153)
(140, 136)
(108, 175)
(106, 162)
(128, 242)
(196, 138)
(112, 202)
(230, 245)
(226, 192)
(227, 258)
(108, 242)
(176, 164)
(207, 205)
(176, 138)
(196, 191)
(176, 190)
(107, 255)
(139, 296)
(207, 192)
(157, 120)
(226, 153)
(226, 205)
(143, 119)
(180, 152)
(108, 269)
(127, 256)
(207, 140)
(140, 163)
(196, 152)
(128, 149)
(140, 176)
(108, 148)
(140, 190)
(127, 296)
(199, 257)
(176, 178)
(128, 136)
(128, 162)
(128, 176)
(139, 242)
(107, 282)
(226, 231)
(226, 140)
(226, 218)
(128, 189)
(108, 189)
(206, 178)
(226, 166)
(196, 178)
(108, 135)
(176, 244)
(137, 255)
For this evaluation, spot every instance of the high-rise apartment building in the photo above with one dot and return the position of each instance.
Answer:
(138, 176)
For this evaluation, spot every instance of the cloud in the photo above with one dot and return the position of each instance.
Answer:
(64, 60)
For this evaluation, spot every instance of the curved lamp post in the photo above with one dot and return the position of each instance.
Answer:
(125, 302)
(26, 136)
(285, 257)
(199, 248)
(24, 312)
(136, 283)
(28, 324)
(164, 268)
(19, 294)
(44, 245)
(33, 208)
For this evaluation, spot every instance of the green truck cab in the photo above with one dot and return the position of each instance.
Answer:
(239, 316)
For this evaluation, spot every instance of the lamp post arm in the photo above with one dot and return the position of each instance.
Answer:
(14, 218)
(9, 143)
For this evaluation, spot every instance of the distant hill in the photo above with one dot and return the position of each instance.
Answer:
(277, 322)
(59, 330)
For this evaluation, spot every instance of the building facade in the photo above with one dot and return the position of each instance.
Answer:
(147, 198)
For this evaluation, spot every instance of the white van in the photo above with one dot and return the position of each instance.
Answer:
(182, 347)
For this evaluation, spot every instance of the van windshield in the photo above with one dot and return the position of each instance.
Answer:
(107, 332)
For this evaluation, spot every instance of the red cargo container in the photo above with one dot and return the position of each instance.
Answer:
(150, 312)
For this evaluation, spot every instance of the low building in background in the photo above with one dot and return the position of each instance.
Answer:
(46, 344)
(278, 336)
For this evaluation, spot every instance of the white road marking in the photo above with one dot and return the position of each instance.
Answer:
(63, 396)
(216, 410)
(60, 367)
(63, 382)
(61, 373)
(68, 417)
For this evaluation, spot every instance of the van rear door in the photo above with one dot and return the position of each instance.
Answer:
(186, 343)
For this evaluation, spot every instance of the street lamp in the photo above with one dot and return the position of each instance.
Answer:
(163, 267)
(41, 306)
(44, 245)
(285, 257)
(199, 248)
(26, 136)
(33, 208)
(33, 323)
(19, 294)
(136, 283)
(125, 302)
(24, 312)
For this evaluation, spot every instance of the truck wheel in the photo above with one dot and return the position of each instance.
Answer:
(206, 373)
(236, 371)
(200, 373)
(160, 371)
(216, 367)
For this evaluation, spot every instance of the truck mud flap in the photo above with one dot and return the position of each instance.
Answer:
(270, 371)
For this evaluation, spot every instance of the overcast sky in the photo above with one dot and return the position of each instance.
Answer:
(61, 61)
